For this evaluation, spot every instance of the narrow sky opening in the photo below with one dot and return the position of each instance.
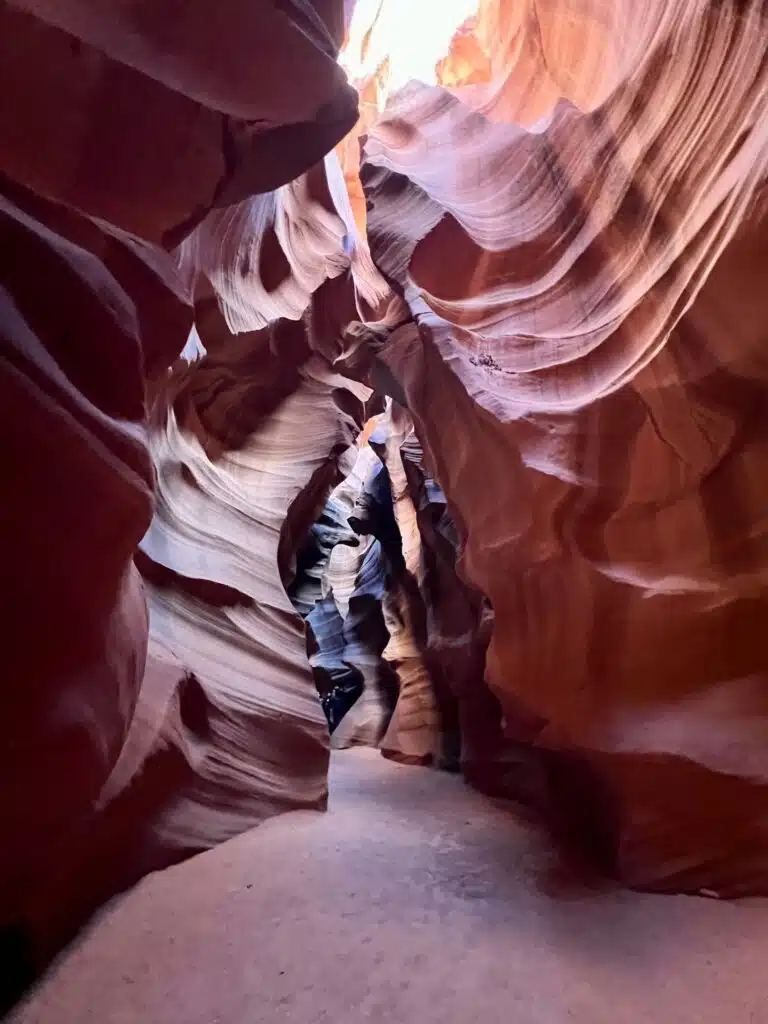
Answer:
(409, 37)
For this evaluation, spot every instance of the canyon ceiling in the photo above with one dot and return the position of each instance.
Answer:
(433, 378)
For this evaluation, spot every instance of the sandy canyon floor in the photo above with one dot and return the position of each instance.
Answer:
(413, 899)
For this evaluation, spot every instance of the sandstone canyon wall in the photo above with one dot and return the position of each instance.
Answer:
(544, 562)
(587, 377)
(131, 738)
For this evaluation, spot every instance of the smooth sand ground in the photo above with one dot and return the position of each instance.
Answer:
(412, 901)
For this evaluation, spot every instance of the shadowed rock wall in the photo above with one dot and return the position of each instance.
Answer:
(563, 298)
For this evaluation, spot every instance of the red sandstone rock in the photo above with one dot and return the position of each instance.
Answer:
(78, 499)
(153, 115)
(574, 225)
(129, 761)
(585, 380)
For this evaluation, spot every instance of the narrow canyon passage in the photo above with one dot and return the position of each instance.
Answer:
(412, 899)
(394, 375)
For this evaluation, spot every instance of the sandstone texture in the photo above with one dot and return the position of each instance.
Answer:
(367, 384)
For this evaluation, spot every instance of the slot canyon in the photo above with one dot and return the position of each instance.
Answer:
(384, 400)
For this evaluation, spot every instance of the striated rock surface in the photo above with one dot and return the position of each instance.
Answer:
(87, 316)
(414, 734)
(218, 603)
(348, 627)
(248, 443)
(133, 747)
(585, 376)
(456, 629)
(554, 546)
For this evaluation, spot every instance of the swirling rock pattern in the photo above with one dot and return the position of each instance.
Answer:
(143, 755)
(585, 379)
(457, 621)
(77, 303)
(414, 734)
(348, 622)
(564, 297)
(220, 522)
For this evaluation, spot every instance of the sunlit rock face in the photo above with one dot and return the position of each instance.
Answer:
(344, 574)
(247, 444)
(583, 261)
(549, 256)
(134, 741)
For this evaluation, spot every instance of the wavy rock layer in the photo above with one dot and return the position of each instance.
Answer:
(585, 380)
(218, 526)
(248, 442)
(87, 315)
(573, 221)
(348, 628)
(414, 734)
(132, 750)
